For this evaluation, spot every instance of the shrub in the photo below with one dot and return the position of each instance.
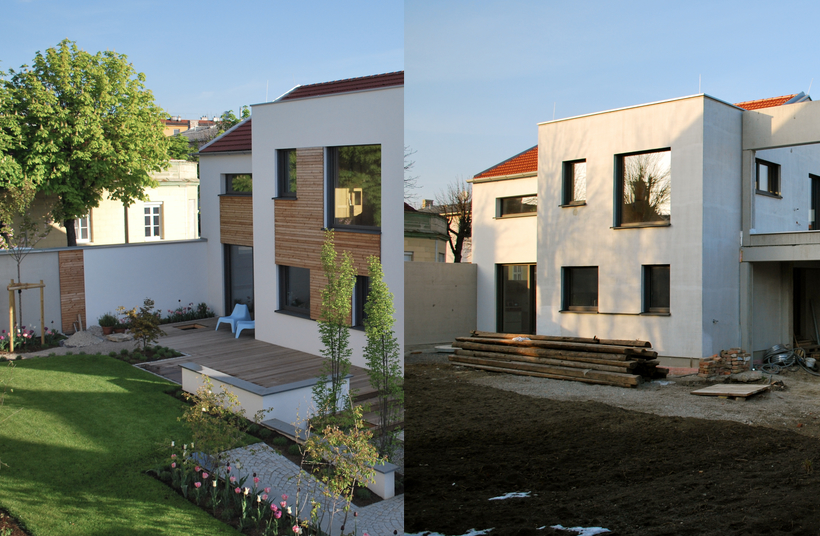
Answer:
(265, 433)
(294, 450)
(112, 354)
(279, 441)
(363, 493)
(144, 324)
(107, 320)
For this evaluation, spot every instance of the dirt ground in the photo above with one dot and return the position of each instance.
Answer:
(648, 461)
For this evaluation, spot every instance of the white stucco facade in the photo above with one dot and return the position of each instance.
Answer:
(710, 289)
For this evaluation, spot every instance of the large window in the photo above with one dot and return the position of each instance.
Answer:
(355, 192)
(815, 201)
(294, 290)
(516, 298)
(287, 173)
(153, 221)
(644, 188)
(575, 183)
(239, 184)
(656, 289)
(516, 206)
(767, 177)
(238, 276)
(580, 288)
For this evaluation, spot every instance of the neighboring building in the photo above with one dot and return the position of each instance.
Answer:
(321, 156)
(425, 236)
(688, 223)
(170, 213)
(451, 218)
(177, 125)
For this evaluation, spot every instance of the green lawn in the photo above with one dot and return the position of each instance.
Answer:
(87, 429)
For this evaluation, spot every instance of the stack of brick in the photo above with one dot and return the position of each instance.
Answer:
(728, 362)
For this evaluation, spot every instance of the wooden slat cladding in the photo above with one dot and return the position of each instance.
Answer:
(72, 288)
(236, 220)
(299, 224)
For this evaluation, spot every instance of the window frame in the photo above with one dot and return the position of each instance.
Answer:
(361, 291)
(331, 182)
(773, 178)
(567, 275)
(229, 177)
(284, 285)
(499, 206)
(619, 191)
(648, 307)
(568, 194)
(814, 201)
(500, 306)
(283, 179)
(153, 205)
(78, 226)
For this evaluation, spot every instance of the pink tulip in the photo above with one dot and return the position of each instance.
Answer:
(173, 465)
(277, 514)
(238, 490)
(267, 490)
(197, 484)
(264, 496)
(173, 455)
(283, 504)
(196, 468)
(274, 508)
(204, 475)
(233, 479)
(296, 529)
(255, 480)
(284, 497)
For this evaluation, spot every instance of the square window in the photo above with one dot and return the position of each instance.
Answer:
(153, 221)
(575, 183)
(355, 186)
(287, 172)
(442, 257)
(580, 288)
(239, 184)
(644, 188)
(294, 290)
(522, 204)
(767, 179)
(408, 256)
(656, 289)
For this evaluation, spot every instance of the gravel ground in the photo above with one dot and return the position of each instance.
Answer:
(794, 406)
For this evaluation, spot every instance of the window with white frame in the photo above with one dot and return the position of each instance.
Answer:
(82, 229)
(153, 221)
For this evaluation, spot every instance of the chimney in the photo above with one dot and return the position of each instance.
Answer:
(426, 203)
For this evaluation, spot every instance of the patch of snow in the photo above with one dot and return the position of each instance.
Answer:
(511, 495)
(582, 531)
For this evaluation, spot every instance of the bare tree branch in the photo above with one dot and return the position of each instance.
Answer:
(456, 205)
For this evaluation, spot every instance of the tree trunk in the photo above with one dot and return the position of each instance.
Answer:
(70, 234)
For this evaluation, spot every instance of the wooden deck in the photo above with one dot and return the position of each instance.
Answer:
(261, 363)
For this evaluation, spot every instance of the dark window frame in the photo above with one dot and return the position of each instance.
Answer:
(332, 174)
(568, 193)
(773, 188)
(814, 203)
(648, 306)
(285, 183)
(361, 291)
(499, 300)
(229, 177)
(619, 191)
(568, 273)
(284, 285)
(500, 206)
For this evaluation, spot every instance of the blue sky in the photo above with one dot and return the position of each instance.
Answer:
(480, 76)
(204, 57)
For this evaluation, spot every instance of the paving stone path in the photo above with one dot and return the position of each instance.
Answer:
(384, 518)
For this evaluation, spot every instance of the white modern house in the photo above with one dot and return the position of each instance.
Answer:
(321, 156)
(688, 222)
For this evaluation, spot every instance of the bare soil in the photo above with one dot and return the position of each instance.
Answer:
(654, 460)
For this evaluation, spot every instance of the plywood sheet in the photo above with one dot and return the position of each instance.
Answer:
(735, 390)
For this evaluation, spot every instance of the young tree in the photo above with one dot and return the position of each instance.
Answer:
(90, 127)
(382, 355)
(456, 205)
(334, 328)
(19, 236)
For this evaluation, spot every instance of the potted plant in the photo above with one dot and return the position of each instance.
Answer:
(107, 322)
(122, 325)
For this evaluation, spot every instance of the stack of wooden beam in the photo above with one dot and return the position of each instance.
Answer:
(625, 363)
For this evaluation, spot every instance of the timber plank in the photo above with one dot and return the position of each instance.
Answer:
(619, 378)
(594, 340)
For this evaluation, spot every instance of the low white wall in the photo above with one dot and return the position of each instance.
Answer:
(37, 265)
(170, 273)
(440, 301)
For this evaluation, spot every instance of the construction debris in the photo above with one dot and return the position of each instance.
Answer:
(733, 361)
(621, 362)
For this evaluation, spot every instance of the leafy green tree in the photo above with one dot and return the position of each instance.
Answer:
(90, 127)
(334, 328)
(179, 148)
(382, 356)
(16, 187)
(228, 119)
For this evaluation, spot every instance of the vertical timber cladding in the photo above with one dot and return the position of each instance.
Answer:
(236, 220)
(299, 223)
(72, 288)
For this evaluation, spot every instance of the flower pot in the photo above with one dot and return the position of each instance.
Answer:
(108, 330)
(119, 330)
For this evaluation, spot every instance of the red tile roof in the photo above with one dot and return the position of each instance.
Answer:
(238, 139)
(765, 103)
(345, 86)
(526, 162)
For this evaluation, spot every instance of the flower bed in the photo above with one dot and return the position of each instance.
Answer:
(151, 353)
(26, 340)
(186, 313)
